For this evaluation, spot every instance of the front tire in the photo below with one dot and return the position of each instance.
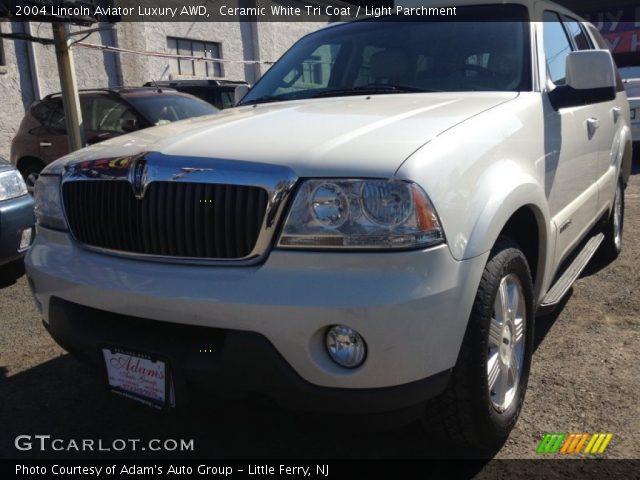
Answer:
(485, 394)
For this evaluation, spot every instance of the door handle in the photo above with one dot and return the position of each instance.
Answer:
(592, 125)
(617, 113)
(45, 144)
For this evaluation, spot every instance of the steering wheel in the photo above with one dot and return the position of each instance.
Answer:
(479, 69)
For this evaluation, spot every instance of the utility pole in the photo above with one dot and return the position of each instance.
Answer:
(70, 98)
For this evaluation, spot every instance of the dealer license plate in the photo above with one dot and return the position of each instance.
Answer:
(139, 376)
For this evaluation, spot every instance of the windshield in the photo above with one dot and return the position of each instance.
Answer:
(405, 55)
(162, 109)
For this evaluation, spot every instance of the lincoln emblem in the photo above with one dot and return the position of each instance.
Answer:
(138, 177)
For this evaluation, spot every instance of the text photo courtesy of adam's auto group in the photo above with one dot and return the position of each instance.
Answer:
(348, 230)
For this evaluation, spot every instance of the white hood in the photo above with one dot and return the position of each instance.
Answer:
(360, 135)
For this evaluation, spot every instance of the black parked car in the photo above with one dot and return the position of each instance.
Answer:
(219, 93)
(106, 113)
(16, 221)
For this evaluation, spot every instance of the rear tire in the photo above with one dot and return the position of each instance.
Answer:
(30, 173)
(485, 393)
(11, 272)
(614, 228)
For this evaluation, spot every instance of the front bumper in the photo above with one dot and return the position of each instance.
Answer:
(411, 307)
(232, 364)
(16, 215)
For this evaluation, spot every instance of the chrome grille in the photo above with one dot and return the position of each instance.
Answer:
(175, 219)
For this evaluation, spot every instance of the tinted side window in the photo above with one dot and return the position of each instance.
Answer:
(595, 34)
(50, 113)
(556, 48)
(42, 111)
(577, 34)
(57, 119)
(101, 113)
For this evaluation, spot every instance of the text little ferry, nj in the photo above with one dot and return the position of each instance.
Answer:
(305, 471)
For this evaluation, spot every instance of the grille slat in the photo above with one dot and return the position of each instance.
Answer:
(239, 207)
(228, 221)
(172, 219)
(198, 212)
(86, 197)
(250, 219)
(131, 220)
(209, 243)
(145, 224)
(178, 223)
(169, 201)
(218, 223)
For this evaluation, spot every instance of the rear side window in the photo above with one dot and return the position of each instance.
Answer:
(556, 48)
(50, 113)
(101, 113)
(577, 34)
(597, 38)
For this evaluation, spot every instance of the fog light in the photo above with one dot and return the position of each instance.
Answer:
(345, 346)
(25, 240)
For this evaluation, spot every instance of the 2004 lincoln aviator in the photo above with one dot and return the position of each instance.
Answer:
(372, 229)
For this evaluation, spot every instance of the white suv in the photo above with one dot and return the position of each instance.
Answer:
(376, 225)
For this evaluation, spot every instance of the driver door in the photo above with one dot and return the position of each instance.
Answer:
(572, 143)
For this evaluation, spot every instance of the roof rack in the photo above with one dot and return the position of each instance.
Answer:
(114, 90)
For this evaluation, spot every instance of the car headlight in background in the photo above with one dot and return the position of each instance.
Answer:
(48, 203)
(340, 213)
(12, 185)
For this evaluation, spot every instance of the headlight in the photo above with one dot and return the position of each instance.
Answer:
(48, 203)
(337, 213)
(12, 185)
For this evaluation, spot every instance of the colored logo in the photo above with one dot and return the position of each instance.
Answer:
(574, 443)
(139, 176)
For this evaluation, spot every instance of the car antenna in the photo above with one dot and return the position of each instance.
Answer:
(155, 84)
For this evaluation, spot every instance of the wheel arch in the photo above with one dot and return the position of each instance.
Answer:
(627, 161)
(522, 216)
(28, 160)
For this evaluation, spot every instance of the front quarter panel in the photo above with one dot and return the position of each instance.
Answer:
(481, 172)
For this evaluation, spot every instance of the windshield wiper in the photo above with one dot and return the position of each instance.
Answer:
(265, 99)
(370, 89)
(373, 88)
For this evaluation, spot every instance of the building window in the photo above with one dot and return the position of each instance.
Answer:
(3, 60)
(196, 48)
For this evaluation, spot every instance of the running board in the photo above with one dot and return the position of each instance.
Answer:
(571, 274)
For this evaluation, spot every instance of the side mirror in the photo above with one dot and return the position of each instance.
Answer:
(591, 78)
(129, 124)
